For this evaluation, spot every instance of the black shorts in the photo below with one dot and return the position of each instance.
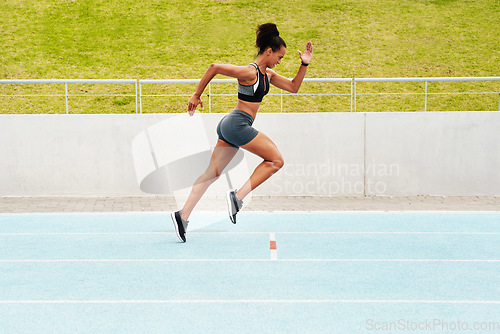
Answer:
(236, 128)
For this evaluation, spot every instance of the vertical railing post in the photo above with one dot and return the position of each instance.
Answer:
(352, 84)
(209, 98)
(140, 96)
(66, 93)
(425, 105)
(499, 97)
(136, 97)
(354, 94)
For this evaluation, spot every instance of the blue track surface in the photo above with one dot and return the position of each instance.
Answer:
(331, 273)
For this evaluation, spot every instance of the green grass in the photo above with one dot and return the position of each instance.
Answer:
(178, 39)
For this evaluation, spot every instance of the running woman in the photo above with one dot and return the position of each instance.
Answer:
(235, 129)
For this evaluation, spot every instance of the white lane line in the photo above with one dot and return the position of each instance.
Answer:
(250, 301)
(247, 260)
(272, 246)
(219, 232)
(82, 233)
(260, 212)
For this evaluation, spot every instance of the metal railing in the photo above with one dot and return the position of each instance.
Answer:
(353, 94)
(72, 81)
(426, 81)
(234, 81)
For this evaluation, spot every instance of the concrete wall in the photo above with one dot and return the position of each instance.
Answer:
(453, 153)
(327, 154)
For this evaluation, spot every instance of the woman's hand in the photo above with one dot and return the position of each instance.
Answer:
(307, 55)
(194, 101)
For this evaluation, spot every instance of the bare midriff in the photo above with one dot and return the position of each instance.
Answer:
(250, 108)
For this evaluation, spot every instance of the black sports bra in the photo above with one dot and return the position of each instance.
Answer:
(255, 92)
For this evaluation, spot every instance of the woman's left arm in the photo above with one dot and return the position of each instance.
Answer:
(293, 85)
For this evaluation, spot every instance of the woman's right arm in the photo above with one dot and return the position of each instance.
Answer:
(242, 73)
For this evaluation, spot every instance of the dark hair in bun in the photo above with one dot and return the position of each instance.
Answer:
(268, 36)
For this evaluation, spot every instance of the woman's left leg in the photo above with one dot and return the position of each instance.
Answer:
(265, 148)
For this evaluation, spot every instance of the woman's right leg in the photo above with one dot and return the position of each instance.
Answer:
(222, 155)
